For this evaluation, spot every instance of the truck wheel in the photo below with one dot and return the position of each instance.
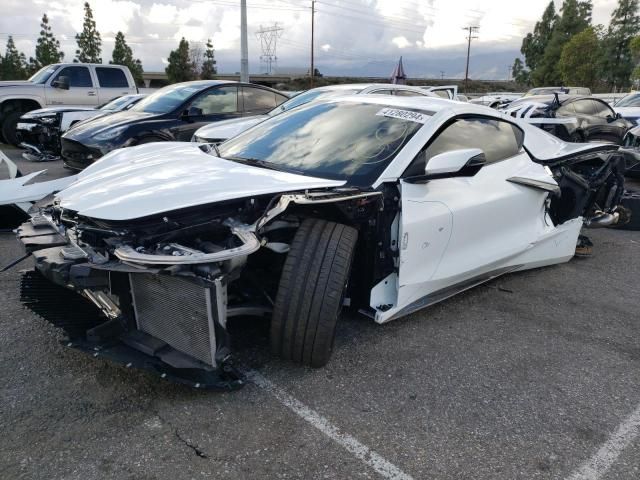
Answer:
(311, 291)
(9, 127)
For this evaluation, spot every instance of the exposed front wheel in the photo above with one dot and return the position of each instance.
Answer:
(311, 291)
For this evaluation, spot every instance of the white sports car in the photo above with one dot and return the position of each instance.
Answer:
(383, 203)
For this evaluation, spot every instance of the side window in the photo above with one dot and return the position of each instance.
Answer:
(583, 107)
(601, 109)
(217, 100)
(566, 110)
(497, 139)
(382, 92)
(258, 99)
(442, 93)
(78, 76)
(281, 99)
(408, 93)
(111, 77)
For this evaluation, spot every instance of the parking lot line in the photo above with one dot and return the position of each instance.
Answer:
(348, 442)
(597, 466)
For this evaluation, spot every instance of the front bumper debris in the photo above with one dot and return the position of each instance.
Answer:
(171, 325)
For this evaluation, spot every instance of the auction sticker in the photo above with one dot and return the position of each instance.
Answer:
(404, 115)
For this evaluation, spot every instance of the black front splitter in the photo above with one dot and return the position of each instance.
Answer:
(75, 315)
(224, 378)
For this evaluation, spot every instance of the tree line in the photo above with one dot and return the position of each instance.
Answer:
(184, 63)
(565, 48)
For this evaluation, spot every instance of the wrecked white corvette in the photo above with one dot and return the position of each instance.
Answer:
(386, 204)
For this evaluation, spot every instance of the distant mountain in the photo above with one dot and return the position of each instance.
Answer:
(482, 66)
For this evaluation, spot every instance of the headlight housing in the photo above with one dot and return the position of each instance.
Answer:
(48, 120)
(110, 133)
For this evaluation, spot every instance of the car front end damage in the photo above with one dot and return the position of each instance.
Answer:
(165, 286)
(39, 135)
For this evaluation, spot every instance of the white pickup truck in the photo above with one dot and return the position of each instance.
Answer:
(72, 84)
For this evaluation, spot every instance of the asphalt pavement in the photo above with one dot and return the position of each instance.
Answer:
(532, 376)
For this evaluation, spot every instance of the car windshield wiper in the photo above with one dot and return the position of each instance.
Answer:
(256, 162)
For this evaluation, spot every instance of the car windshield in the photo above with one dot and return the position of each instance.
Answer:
(337, 140)
(42, 75)
(167, 99)
(544, 91)
(311, 95)
(117, 103)
(629, 101)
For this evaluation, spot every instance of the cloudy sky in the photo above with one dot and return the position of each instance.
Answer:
(352, 36)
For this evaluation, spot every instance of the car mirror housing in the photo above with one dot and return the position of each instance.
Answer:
(455, 163)
(61, 83)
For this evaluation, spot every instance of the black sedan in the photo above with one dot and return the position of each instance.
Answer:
(172, 113)
(571, 118)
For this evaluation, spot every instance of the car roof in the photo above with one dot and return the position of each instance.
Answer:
(362, 86)
(548, 99)
(426, 103)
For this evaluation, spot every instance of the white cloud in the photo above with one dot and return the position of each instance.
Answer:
(401, 42)
(346, 39)
(162, 13)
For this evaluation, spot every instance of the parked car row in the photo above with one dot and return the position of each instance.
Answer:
(39, 131)
(388, 203)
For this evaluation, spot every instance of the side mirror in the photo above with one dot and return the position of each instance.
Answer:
(62, 83)
(455, 163)
(192, 112)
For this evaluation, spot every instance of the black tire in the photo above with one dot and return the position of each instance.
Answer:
(311, 291)
(9, 122)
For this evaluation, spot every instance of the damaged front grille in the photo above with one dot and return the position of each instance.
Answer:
(176, 311)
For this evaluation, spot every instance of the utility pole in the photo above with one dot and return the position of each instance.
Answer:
(471, 30)
(312, 72)
(244, 50)
(441, 74)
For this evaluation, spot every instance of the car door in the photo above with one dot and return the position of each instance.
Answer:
(611, 129)
(592, 126)
(258, 101)
(215, 104)
(461, 229)
(81, 90)
(113, 83)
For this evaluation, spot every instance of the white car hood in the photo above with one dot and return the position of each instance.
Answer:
(229, 128)
(155, 178)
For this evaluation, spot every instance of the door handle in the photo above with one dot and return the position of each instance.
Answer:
(91, 94)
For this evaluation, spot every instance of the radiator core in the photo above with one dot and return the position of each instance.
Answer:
(176, 311)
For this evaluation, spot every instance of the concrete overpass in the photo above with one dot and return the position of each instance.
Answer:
(160, 78)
